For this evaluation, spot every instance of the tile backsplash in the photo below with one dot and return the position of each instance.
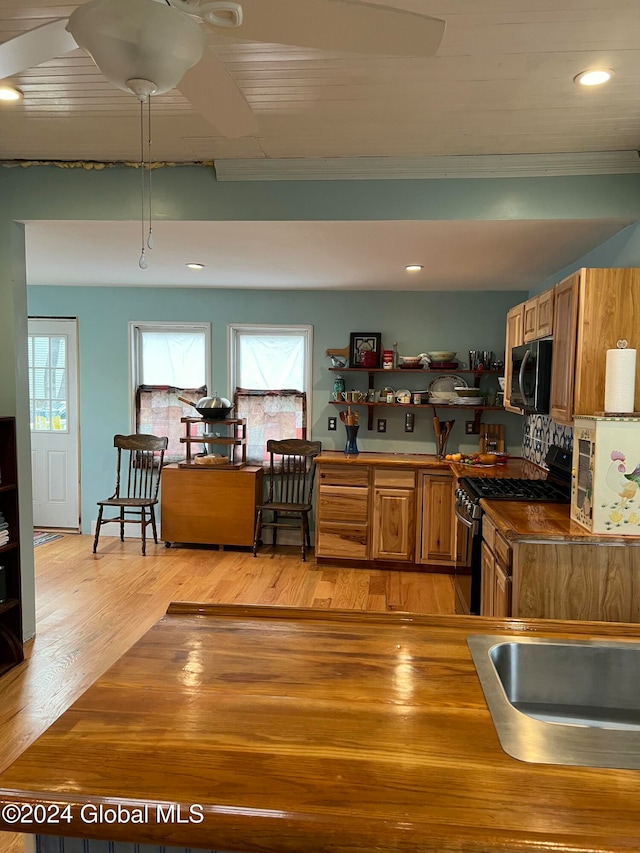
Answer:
(540, 432)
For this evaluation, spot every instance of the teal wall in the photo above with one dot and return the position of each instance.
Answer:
(418, 321)
(192, 193)
(621, 250)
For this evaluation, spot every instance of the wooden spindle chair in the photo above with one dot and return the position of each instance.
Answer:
(138, 471)
(291, 478)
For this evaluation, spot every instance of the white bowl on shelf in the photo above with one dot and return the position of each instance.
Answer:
(442, 396)
(441, 355)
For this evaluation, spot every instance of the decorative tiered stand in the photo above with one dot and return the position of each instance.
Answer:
(235, 440)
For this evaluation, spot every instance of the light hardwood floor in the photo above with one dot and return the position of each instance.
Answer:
(92, 608)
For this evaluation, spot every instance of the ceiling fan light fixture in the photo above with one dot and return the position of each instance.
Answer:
(195, 266)
(593, 77)
(138, 40)
(10, 94)
(414, 267)
(142, 89)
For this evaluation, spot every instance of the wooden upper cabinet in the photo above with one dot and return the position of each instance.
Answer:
(514, 338)
(608, 310)
(594, 308)
(538, 316)
(564, 350)
(546, 303)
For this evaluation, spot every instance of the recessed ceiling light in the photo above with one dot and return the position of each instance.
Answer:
(8, 93)
(414, 267)
(193, 266)
(593, 77)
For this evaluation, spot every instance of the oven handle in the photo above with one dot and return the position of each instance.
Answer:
(472, 525)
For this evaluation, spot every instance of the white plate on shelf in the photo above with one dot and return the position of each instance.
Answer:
(447, 383)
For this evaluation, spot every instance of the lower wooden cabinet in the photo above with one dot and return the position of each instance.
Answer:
(386, 514)
(210, 506)
(394, 517)
(342, 512)
(437, 521)
(495, 594)
(496, 567)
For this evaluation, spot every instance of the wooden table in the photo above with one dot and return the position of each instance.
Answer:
(210, 505)
(298, 731)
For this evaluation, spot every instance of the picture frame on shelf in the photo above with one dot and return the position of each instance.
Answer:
(367, 342)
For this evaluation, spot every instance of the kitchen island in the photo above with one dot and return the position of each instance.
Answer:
(537, 562)
(296, 731)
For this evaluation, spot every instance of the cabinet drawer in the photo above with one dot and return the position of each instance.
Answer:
(502, 551)
(349, 541)
(394, 478)
(344, 475)
(345, 504)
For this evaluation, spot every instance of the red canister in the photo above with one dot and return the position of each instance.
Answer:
(387, 359)
(368, 358)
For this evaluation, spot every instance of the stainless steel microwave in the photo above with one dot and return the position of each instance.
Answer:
(531, 376)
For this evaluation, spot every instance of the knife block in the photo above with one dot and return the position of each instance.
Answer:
(491, 438)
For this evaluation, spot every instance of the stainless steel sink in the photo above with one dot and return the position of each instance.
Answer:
(562, 701)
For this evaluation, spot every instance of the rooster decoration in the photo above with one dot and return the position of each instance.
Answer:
(625, 486)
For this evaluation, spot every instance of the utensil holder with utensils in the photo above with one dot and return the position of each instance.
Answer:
(442, 430)
(351, 447)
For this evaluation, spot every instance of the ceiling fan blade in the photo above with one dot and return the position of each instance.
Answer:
(213, 92)
(36, 46)
(347, 25)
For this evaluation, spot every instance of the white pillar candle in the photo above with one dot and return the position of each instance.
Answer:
(620, 379)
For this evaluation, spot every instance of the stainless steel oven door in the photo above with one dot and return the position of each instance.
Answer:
(467, 548)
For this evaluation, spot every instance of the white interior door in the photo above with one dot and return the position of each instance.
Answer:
(53, 402)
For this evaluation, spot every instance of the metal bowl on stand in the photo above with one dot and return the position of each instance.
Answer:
(211, 408)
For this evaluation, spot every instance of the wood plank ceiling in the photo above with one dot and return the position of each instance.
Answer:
(501, 83)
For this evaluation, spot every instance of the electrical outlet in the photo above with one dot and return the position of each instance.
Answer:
(382, 424)
(469, 428)
(332, 424)
(409, 420)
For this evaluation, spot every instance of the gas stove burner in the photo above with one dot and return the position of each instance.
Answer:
(514, 489)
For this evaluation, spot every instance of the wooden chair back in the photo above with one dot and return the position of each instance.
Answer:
(291, 470)
(139, 465)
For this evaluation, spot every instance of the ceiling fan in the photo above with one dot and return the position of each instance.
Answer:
(151, 46)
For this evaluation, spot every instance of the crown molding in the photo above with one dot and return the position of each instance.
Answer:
(398, 168)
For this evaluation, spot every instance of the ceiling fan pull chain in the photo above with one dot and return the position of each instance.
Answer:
(142, 263)
(150, 236)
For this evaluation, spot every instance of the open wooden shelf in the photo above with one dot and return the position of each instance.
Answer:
(372, 371)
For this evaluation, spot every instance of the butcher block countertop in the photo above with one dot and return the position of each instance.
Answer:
(301, 731)
(514, 467)
(520, 520)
